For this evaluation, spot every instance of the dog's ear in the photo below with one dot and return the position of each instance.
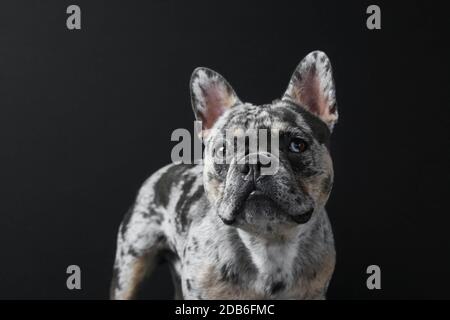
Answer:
(312, 87)
(211, 96)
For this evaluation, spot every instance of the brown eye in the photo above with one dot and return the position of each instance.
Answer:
(297, 145)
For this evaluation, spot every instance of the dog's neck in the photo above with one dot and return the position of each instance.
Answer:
(270, 256)
(273, 254)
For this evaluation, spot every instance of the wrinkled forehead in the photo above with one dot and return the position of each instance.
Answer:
(281, 116)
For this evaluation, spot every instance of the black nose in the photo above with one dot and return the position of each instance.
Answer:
(255, 164)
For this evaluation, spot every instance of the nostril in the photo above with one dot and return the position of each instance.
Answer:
(244, 168)
(228, 222)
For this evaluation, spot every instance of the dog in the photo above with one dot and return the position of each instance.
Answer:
(226, 230)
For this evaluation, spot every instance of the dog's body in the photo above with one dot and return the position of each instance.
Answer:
(228, 231)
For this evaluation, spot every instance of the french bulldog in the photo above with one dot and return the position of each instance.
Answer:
(226, 230)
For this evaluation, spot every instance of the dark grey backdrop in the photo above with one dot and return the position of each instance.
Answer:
(86, 116)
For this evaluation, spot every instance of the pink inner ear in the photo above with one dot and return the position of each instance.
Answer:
(211, 115)
(310, 93)
(217, 100)
(312, 87)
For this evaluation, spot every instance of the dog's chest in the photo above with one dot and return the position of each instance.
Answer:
(264, 271)
(274, 264)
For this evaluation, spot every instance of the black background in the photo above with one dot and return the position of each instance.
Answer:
(86, 117)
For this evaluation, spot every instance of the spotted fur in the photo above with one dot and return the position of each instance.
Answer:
(226, 231)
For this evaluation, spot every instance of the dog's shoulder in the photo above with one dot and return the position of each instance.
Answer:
(174, 191)
(164, 184)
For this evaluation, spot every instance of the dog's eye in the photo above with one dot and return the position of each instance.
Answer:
(221, 151)
(297, 145)
(220, 154)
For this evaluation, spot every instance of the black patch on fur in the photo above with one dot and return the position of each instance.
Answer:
(195, 243)
(319, 129)
(151, 213)
(188, 284)
(185, 202)
(301, 164)
(161, 238)
(169, 256)
(133, 252)
(164, 184)
(289, 116)
(187, 186)
(228, 274)
(277, 287)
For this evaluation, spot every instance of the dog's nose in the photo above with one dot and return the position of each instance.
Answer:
(246, 167)
(253, 163)
(250, 169)
(256, 163)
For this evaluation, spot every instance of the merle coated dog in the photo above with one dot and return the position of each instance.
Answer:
(227, 231)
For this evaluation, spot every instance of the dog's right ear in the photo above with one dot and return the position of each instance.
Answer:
(211, 96)
(312, 87)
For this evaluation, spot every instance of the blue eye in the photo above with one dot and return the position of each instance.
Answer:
(297, 145)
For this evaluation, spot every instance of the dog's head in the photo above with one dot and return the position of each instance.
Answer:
(297, 128)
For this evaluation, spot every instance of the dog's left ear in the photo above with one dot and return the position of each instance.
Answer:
(312, 87)
(211, 96)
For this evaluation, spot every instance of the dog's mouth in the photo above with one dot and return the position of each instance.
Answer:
(256, 195)
(261, 199)
(302, 218)
(264, 200)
